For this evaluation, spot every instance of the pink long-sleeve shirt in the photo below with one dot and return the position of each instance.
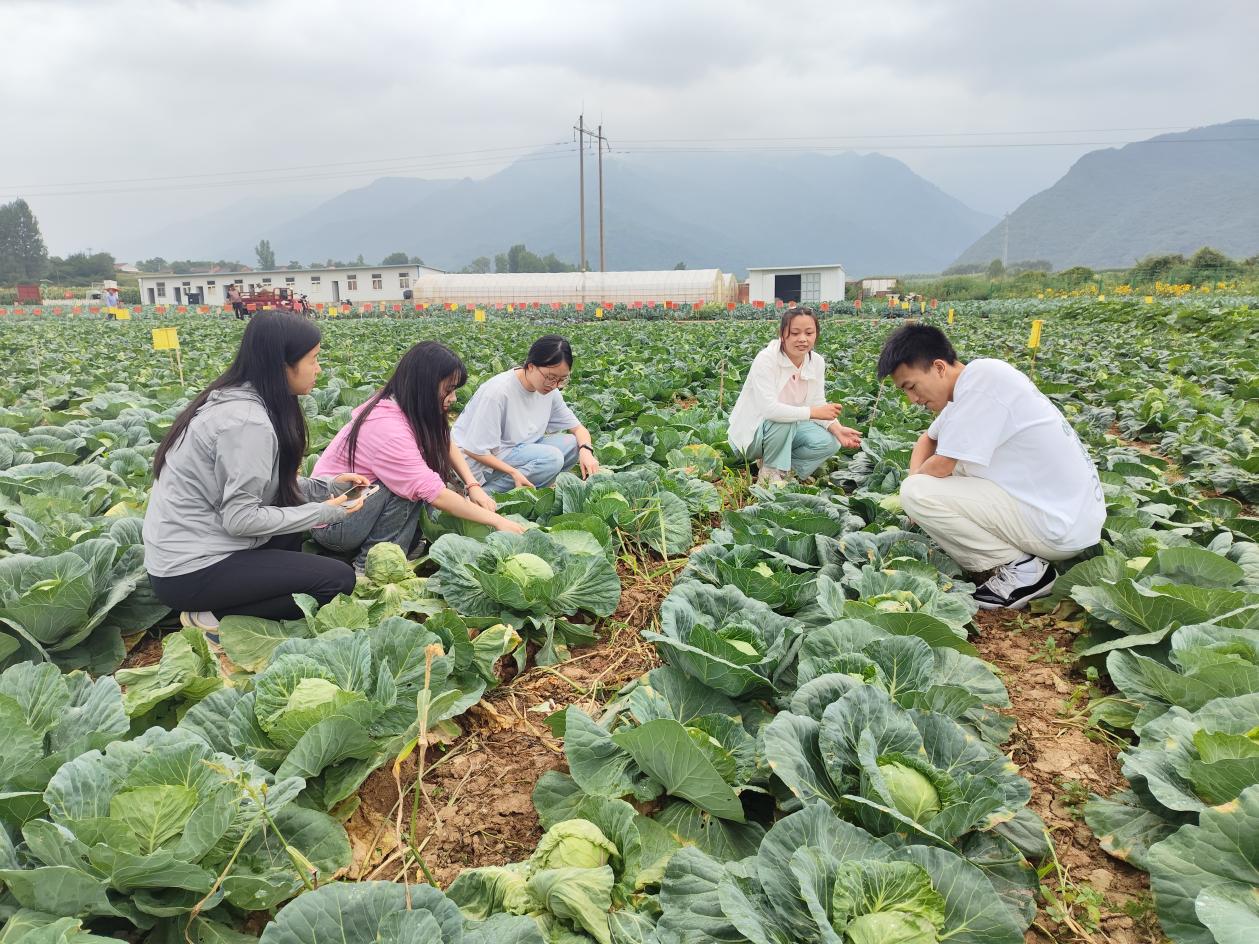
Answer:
(386, 453)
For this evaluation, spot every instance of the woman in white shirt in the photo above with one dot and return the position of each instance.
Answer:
(782, 417)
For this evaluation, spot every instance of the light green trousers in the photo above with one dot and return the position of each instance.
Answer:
(801, 447)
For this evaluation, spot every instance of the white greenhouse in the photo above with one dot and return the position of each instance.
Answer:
(689, 286)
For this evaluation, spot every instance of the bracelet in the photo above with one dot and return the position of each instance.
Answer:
(468, 485)
(587, 447)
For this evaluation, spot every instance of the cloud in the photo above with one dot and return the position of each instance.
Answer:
(125, 89)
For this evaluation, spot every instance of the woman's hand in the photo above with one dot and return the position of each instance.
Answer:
(350, 507)
(848, 437)
(825, 411)
(480, 497)
(353, 478)
(521, 481)
(509, 526)
(587, 462)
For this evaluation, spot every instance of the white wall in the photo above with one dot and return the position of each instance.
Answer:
(761, 282)
(319, 285)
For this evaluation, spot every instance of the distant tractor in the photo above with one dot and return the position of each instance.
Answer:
(281, 299)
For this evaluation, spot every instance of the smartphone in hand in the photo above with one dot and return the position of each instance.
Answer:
(360, 492)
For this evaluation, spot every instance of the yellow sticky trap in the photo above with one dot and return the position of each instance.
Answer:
(1149, 299)
(479, 315)
(122, 314)
(904, 306)
(1101, 298)
(1034, 340)
(922, 308)
(165, 339)
(950, 316)
(598, 312)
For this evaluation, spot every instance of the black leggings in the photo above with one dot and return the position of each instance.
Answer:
(260, 582)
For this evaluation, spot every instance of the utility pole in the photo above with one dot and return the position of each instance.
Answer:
(1005, 244)
(581, 185)
(603, 261)
(582, 133)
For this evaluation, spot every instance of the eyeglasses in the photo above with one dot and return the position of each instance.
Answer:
(559, 383)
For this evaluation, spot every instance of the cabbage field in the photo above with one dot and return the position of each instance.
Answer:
(678, 709)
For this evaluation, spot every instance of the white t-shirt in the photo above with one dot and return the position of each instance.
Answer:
(999, 427)
(502, 414)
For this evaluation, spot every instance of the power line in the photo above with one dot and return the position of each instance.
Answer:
(485, 157)
(298, 167)
(915, 147)
(923, 134)
(227, 184)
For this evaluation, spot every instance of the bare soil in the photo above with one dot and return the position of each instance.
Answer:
(475, 807)
(1053, 750)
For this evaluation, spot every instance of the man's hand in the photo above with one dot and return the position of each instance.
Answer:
(521, 481)
(825, 411)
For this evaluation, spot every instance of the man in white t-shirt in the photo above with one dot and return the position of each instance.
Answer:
(1000, 480)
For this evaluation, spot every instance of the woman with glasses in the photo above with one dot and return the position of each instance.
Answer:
(781, 417)
(517, 431)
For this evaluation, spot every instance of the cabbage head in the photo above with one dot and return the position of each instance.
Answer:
(387, 563)
(526, 569)
(893, 504)
(574, 843)
(896, 601)
(912, 793)
(886, 903)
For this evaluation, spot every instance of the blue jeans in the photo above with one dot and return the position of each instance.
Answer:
(540, 461)
(383, 517)
(801, 446)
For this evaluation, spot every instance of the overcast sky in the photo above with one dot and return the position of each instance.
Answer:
(110, 109)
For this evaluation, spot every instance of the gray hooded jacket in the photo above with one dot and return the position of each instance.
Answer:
(218, 486)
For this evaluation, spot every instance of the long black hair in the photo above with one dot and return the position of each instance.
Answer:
(548, 351)
(416, 386)
(271, 342)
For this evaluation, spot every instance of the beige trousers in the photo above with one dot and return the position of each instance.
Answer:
(975, 521)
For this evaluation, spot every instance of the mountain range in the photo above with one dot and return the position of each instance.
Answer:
(729, 211)
(1173, 193)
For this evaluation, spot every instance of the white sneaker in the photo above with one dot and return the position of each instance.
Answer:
(1017, 584)
(203, 620)
(771, 478)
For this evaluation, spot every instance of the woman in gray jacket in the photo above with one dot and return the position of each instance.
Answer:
(223, 527)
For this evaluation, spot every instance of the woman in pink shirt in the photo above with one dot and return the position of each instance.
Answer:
(400, 439)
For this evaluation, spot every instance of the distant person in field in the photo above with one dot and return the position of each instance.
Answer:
(400, 439)
(1000, 480)
(223, 528)
(238, 305)
(517, 431)
(781, 418)
(111, 303)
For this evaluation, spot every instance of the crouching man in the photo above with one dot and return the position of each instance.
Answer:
(999, 480)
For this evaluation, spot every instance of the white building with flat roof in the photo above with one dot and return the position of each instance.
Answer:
(685, 286)
(366, 283)
(807, 285)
